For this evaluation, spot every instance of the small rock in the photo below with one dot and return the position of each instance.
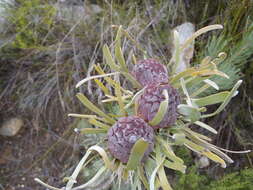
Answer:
(11, 127)
(185, 31)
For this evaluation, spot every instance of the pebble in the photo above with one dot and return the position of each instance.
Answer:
(11, 127)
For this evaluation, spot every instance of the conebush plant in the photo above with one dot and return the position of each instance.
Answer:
(148, 171)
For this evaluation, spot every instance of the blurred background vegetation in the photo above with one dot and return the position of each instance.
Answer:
(47, 46)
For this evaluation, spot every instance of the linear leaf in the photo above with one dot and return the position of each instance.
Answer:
(163, 179)
(205, 126)
(205, 152)
(119, 99)
(92, 131)
(161, 110)
(212, 99)
(93, 108)
(118, 52)
(102, 86)
(168, 151)
(175, 166)
(211, 83)
(182, 82)
(137, 153)
(226, 101)
(99, 124)
(109, 59)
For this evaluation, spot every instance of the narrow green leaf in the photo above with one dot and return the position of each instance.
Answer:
(175, 166)
(102, 87)
(163, 179)
(205, 126)
(183, 74)
(161, 111)
(118, 52)
(205, 152)
(93, 108)
(209, 147)
(168, 151)
(137, 153)
(119, 99)
(109, 59)
(92, 131)
(93, 121)
(182, 82)
(212, 99)
(198, 135)
(226, 101)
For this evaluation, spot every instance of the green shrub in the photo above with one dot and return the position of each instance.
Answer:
(32, 22)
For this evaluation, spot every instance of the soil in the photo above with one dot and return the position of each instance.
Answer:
(35, 153)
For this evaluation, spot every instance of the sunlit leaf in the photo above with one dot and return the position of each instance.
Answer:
(163, 179)
(188, 100)
(209, 147)
(137, 153)
(120, 100)
(175, 166)
(161, 110)
(201, 150)
(205, 126)
(168, 151)
(93, 121)
(109, 59)
(92, 131)
(102, 86)
(226, 101)
(211, 83)
(212, 99)
(93, 108)
(182, 74)
(118, 52)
